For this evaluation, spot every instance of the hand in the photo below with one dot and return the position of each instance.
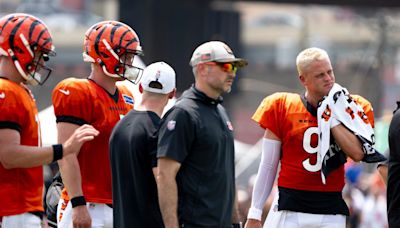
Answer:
(252, 223)
(81, 135)
(81, 217)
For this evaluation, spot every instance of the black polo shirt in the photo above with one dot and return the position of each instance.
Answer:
(133, 147)
(393, 185)
(198, 134)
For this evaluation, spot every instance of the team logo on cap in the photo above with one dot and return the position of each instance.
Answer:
(228, 49)
(158, 75)
(171, 125)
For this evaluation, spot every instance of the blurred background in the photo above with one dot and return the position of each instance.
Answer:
(362, 38)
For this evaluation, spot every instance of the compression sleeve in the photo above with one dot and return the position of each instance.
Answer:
(265, 177)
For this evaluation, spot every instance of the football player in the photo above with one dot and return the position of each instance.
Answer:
(110, 47)
(25, 45)
(291, 138)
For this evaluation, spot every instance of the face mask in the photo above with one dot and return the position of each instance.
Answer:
(39, 76)
(133, 74)
(34, 79)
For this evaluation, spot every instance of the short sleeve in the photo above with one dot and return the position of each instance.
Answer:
(153, 157)
(176, 135)
(12, 109)
(71, 102)
(269, 114)
(367, 107)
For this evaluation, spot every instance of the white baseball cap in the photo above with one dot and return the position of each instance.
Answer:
(158, 77)
(215, 51)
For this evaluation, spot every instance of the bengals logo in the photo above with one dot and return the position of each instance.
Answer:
(350, 112)
(228, 49)
(363, 117)
(336, 96)
(327, 113)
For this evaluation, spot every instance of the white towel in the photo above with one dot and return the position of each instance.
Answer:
(340, 106)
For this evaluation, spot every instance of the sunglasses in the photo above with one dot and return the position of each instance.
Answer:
(227, 67)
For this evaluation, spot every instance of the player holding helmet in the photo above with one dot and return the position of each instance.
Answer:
(25, 45)
(110, 47)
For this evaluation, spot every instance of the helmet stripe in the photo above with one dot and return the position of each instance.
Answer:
(97, 41)
(132, 41)
(32, 27)
(87, 37)
(122, 37)
(40, 35)
(5, 24)
(114, 28)
(48, 40)
(42, 32)
(14, 31)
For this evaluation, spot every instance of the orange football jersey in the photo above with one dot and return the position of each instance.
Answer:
(288, 118)
(21, 189)
(84, 100)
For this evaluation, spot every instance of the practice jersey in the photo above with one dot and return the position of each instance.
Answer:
(286, 115)
(21, 189)
(82, 101)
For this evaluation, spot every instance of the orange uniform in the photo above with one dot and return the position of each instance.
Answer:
(286, 115)
(81, 101)
(21, 189)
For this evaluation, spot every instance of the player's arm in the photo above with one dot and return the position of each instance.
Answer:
(348, 142)
(271, 148)
(168, 190)
(155, 171)
(71, 175)
(383, 171)
(15, 155)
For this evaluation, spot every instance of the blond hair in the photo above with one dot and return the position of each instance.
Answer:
(309, 55)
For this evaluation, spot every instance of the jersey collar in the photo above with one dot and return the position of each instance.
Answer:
(197, 94)
(310, 108)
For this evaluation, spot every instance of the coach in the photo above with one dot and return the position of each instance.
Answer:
(196, 181)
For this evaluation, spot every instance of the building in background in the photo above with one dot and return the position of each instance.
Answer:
(363, 44)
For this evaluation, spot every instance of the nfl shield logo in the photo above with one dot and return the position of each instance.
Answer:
(171, 125)
(229, 124)
(128, 99)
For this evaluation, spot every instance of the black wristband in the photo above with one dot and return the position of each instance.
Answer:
(57, 152)
(78, 201)
(237, 225)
